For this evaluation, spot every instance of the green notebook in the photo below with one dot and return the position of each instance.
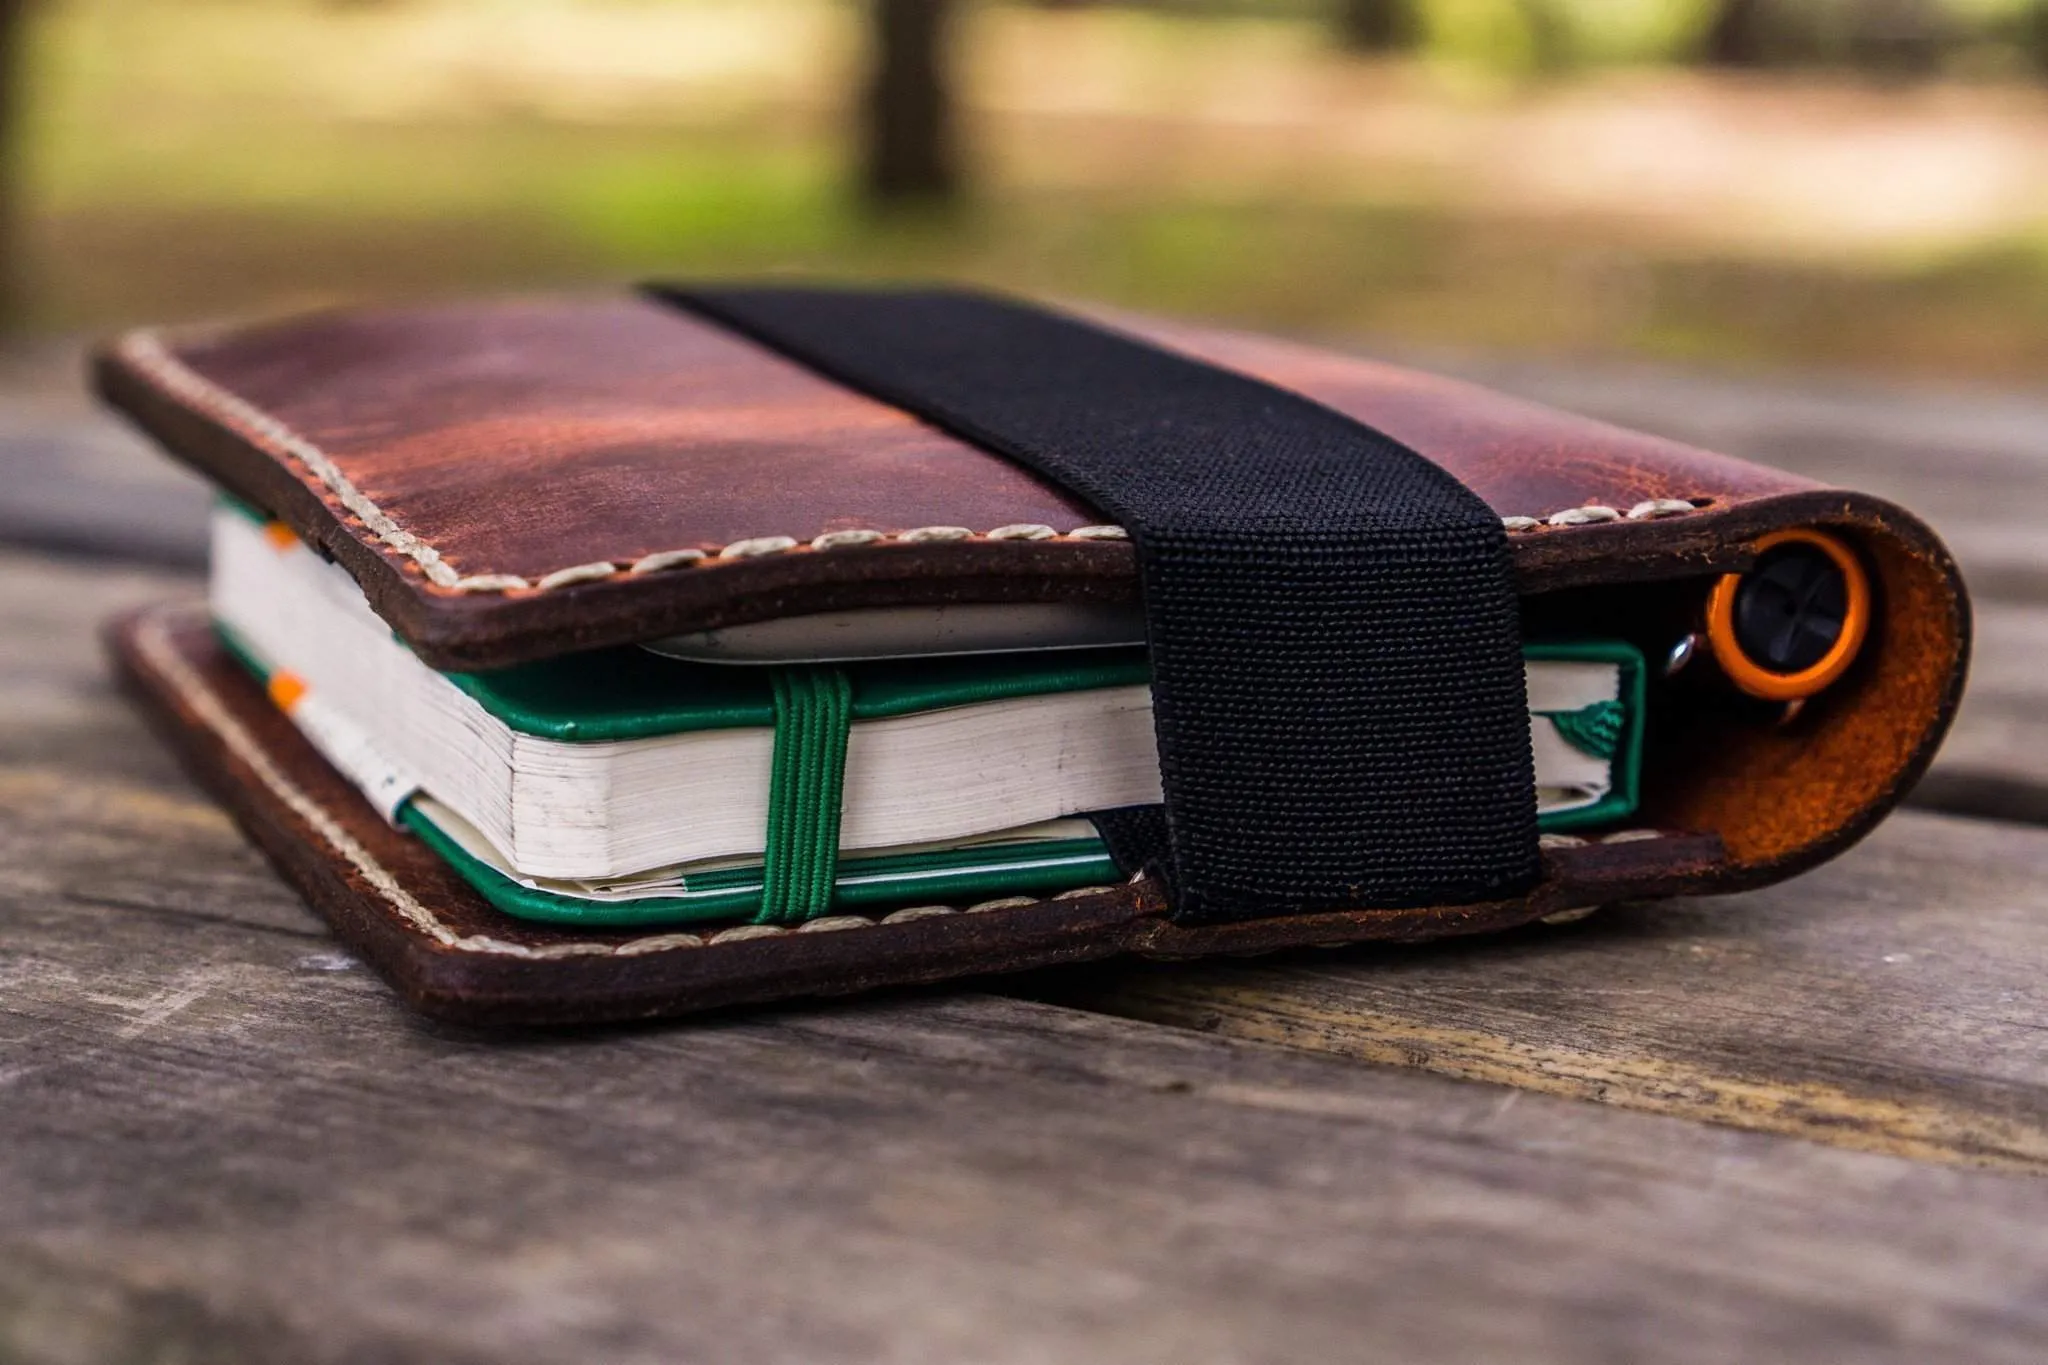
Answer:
(622, 787)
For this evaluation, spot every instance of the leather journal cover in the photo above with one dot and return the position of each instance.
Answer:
(516, 482)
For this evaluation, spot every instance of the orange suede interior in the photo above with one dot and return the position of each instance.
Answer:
(1773, 790)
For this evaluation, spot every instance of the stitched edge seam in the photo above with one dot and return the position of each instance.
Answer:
(145, 350)
(153, 640)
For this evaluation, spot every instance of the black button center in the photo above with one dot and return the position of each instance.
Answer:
(1790, 608)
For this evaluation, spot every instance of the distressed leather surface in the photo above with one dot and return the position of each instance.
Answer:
(522, 439)
(529, 454)
(495, 474)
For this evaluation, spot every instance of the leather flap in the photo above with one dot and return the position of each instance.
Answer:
(509, 481)
(517, 480)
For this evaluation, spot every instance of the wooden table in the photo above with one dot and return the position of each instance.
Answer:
(1804, 1124)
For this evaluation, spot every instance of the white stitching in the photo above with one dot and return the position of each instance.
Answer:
(146, 351)
(841, 540)
(491, 582)
(1584, 516)
(664, 559)
(833, 923)
(1595, 513)
(757, 546)
(1005, 903)
(740, 933)
(153, 640)
(1620, 836)
(1660, 507)
(580, 573)
(660, 943)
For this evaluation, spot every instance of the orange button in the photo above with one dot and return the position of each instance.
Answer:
(1755, 676)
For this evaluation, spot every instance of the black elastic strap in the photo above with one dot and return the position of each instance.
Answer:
(1336, 669)
(1136, 839)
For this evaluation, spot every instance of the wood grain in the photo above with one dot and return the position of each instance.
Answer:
(58, 690)
(1891, 1001)
(222, 1140)
(1995, 760)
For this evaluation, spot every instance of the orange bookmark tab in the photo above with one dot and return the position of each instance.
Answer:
(286, 689)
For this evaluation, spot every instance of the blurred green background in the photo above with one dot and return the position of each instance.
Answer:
(1860, 184)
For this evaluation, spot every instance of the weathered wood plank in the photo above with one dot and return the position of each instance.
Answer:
(1995, 761)
(75, 480)
(221, 1139)
(59, 694)
(1891, 1001)
(219, 1142)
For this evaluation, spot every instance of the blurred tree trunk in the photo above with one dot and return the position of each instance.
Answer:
(1378, 25)
(2032, 35)
(1903, 38)
(14, 15)
(911, 153)
(1550, 39)
(1739, 36)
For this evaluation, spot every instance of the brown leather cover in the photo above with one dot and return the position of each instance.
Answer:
(508, 481)
(512, 481)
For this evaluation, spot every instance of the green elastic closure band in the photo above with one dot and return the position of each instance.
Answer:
(806, 782)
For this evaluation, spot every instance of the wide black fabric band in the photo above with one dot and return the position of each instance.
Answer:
(1336, 667)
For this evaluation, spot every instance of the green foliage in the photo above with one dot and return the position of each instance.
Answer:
(179, 167)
